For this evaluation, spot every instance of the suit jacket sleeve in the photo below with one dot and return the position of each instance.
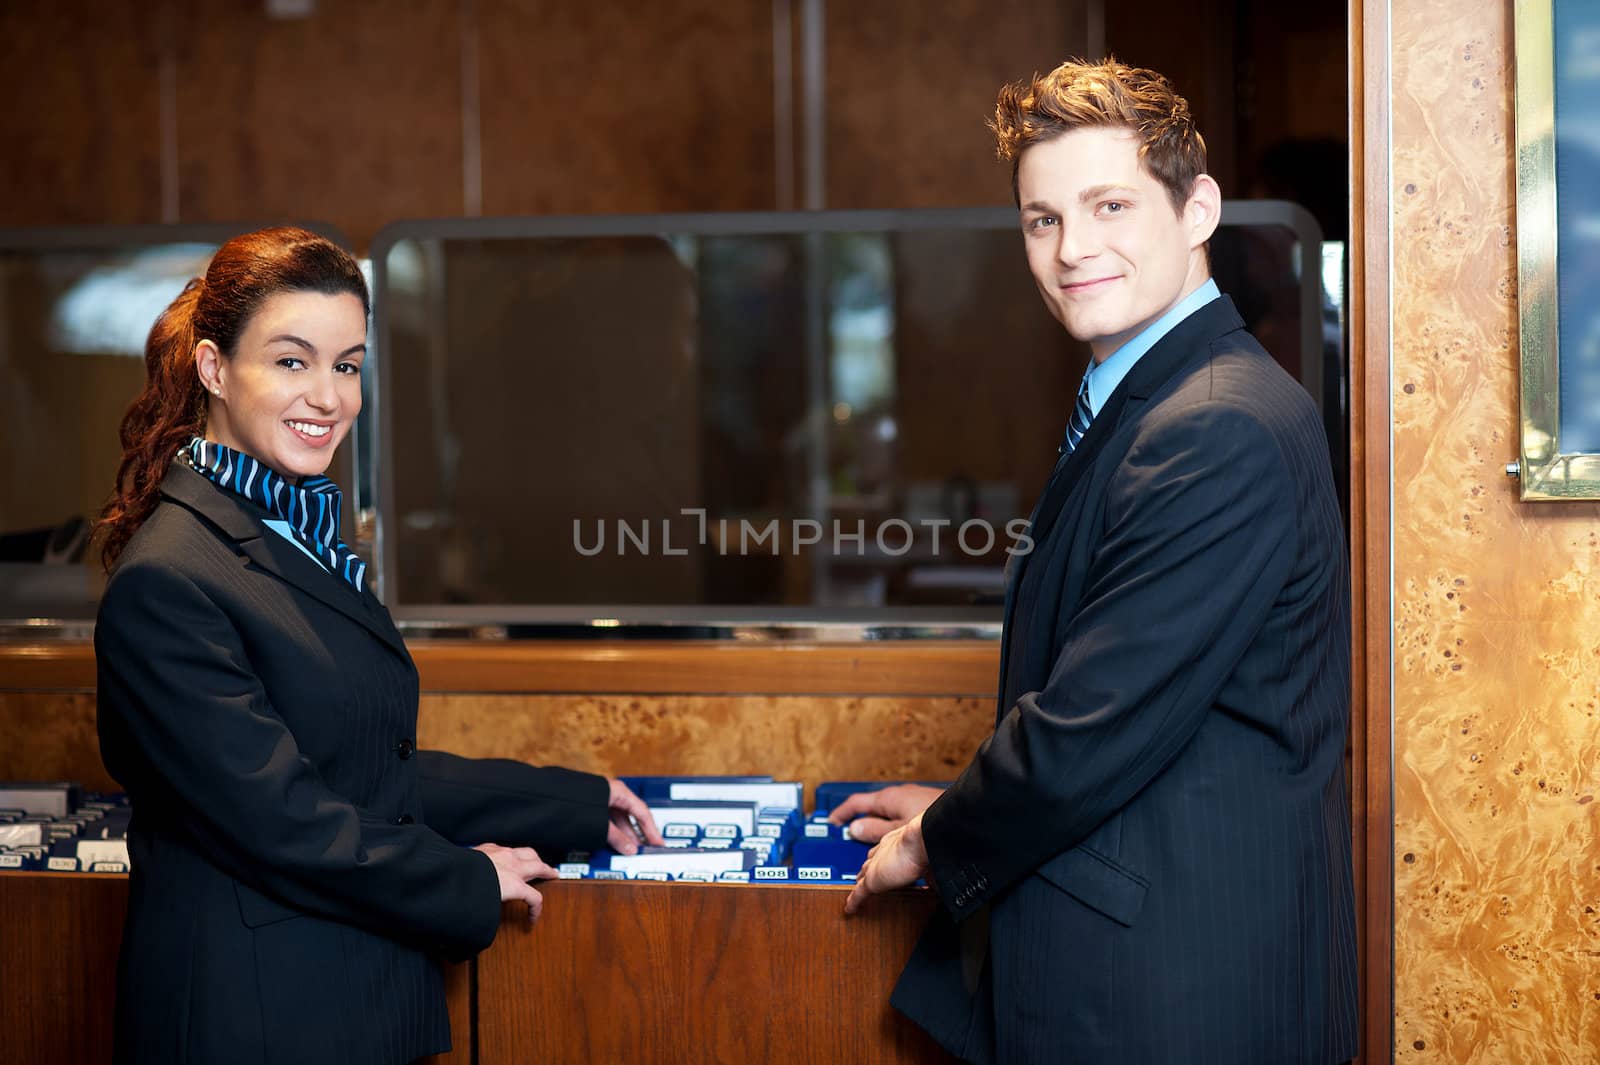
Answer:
(178, 699)
(497, 800)
(1199, 540)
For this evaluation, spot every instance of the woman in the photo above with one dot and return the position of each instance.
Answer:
(297, 864)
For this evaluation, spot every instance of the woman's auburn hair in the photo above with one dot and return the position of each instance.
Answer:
(172, 409)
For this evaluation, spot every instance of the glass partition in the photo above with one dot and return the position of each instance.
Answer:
(696, 420)
(800, 415)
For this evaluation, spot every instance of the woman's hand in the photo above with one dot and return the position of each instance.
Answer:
(515, 866)
(621, 836)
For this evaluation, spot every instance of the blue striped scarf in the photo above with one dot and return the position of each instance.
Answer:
(311, 508)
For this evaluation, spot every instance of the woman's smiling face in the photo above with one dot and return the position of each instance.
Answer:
(292, 388)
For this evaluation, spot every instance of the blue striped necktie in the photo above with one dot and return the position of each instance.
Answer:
(1078, 424)
(310, 508)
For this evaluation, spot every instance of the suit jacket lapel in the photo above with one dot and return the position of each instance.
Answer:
(1153, 369)
(239, 522)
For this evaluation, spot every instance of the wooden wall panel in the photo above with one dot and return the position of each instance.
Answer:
(910, 86)
(804, 738)
(351, 115)
(1202, 62)
(81, 122)
(1497, 603)
(361, 113)
(51, 736)
(796, 737)
(1371, 724)
(621, 107)
(805, 712)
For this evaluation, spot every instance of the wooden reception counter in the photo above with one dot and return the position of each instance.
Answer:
(613, 972)
(691, 973)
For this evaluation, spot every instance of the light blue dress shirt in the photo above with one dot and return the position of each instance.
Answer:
(282, 529)
(1106, 376)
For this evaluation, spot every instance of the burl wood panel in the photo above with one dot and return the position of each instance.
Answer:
(910, 86)
(51, 736)
(621, 107)
(59, 939)
(1497, 603)
(805, 738)
(807, 712)
(351, 115)
(81, 120)
(657, 973)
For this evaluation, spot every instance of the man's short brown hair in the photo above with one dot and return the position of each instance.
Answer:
(1079, 95)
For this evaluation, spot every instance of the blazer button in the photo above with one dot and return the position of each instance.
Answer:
(404, 749)
(404, 819)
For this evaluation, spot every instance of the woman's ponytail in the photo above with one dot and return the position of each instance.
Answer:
(169, 411)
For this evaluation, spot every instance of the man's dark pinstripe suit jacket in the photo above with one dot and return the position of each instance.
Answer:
(296, 865)
(1149, 859)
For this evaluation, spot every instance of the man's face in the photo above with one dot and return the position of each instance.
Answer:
(1106, 248)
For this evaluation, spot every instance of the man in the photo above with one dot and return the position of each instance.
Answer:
(1148, 861)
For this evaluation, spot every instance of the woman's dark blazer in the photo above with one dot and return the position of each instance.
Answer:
(296, 864)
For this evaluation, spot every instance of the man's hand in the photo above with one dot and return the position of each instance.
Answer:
(515, 866)
(873, 814)
(897, 861)
(621, 836)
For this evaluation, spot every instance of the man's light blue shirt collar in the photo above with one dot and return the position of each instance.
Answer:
(1106, 376)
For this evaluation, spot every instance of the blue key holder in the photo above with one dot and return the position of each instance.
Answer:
(783, 845)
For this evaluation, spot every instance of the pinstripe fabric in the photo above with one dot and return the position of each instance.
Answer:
(297, 863)
(280, 911)
(1158, 829)
(311, 508)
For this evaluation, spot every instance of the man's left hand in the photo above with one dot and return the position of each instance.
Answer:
(898, 861)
